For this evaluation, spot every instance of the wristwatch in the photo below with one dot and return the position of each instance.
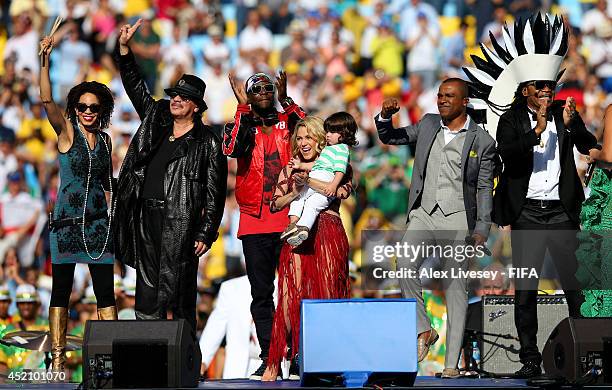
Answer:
(286, 102)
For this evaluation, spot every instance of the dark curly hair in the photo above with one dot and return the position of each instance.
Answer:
(344, 124)
(102, 92)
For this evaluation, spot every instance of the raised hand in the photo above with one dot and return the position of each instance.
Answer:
(127, 32)
(238, 89)
(389, 107)
(281, 85)
(46, 45)
(569, 110)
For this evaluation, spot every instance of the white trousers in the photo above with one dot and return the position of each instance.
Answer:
(310, 203)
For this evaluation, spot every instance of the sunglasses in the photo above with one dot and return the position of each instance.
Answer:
(93, 108)
(183, 97)
(265, 88)
(541, 84)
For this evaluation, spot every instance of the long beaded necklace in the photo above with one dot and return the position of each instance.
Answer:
(110, 186)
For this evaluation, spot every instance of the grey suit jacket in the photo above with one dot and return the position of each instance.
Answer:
(478, 162)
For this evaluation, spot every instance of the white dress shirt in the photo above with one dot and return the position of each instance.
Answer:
(544, 180)
(449, 135)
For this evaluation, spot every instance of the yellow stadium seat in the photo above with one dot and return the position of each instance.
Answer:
(449, 25)
(231, 28)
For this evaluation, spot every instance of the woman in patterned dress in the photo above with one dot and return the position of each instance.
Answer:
(595, 251)
(80, 224)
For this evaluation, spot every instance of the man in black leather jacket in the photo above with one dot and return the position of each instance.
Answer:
(170, 192)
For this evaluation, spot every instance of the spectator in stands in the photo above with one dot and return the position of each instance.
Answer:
(496, 26)
(296, 86)
(296, 50)
(23, 44)
(281, 18)
(146, 48)
(5, 302)
(422, 46)
(254, 40)
(332, 27)
(390, 189)
(215, 51)
(333, 55)
(176, 58)
(103, 22)
(8, 160)
(454, 57)
(387, 51)
(601, 14)
(408, 12)
(219, 95)
(601, 55)
(74, 57)
(125, 125)
(36, 136)
(20, 215)
(15, 359)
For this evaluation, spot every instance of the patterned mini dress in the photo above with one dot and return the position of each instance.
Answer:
(67, 244)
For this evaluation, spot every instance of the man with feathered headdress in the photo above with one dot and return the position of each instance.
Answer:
(539, 193)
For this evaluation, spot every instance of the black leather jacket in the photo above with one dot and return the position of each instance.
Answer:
(195, 183)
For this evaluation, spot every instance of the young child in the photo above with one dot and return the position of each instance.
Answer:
(329, 167)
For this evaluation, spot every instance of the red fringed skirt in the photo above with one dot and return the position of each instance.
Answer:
(317, 269)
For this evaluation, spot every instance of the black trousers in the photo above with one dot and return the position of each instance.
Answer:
(149, 243)
(261, 253)
(101, 277)
(535, 231)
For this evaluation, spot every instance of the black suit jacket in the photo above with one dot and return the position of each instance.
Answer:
(515, 142)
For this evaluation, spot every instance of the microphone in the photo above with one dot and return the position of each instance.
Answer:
(471, 241)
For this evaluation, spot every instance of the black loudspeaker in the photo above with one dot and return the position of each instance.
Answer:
(576, 346)
(140, 354)
(500, 346)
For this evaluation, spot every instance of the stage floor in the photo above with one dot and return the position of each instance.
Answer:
(422, 382)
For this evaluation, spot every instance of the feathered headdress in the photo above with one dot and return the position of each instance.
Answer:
(534, 50)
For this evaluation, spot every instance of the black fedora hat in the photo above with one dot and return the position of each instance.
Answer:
(191, 87)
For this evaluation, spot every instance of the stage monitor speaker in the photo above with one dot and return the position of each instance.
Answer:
(140, 354)
(576, 346)
(358, 342)
(499, 354)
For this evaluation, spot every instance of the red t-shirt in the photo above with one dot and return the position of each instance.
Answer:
(267, 222)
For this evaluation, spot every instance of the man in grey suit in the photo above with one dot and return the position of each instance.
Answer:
(451, 198)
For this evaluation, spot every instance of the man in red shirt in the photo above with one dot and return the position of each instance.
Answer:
(259, 138)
